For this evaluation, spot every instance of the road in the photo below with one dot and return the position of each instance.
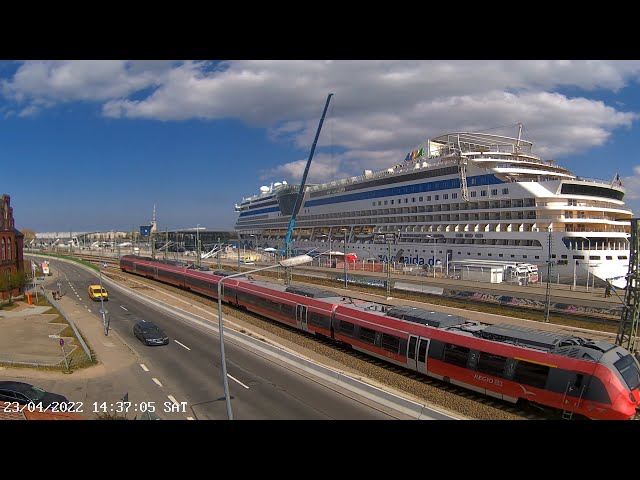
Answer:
(188, 369)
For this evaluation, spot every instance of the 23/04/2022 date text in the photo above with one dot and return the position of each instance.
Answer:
(139, 407)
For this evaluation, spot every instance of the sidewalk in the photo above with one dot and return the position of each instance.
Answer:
(116, 372)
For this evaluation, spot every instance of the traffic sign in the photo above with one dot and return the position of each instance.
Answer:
(62, 342)
(104, 265)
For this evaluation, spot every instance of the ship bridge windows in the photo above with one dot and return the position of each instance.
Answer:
(590, 190)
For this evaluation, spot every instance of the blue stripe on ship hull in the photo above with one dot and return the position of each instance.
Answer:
(262, 210)
(453, 183)
(450, 184)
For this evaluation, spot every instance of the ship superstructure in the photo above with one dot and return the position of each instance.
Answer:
(460, 196)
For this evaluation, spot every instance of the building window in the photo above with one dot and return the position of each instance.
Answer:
(2, 250)
(505, 191)
(428, 198)
(483, 193)
(473, 194)
(494, 191)
(454, 195)
(445, 196)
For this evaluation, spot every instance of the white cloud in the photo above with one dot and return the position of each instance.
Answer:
(380, 111)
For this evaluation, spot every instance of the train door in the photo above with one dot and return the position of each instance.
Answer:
(417, 353)
(155, 273)
(301, 316)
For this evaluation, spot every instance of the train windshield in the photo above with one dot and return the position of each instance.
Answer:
(628, 368)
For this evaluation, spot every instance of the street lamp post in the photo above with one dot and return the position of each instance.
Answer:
(104, 318)
(344, 230)
(287, 263)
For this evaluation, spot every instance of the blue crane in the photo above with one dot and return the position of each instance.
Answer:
(300, 196)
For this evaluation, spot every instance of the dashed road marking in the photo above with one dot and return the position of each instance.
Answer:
(236, 380)
(123, 308)
(170, 397)
(144, 367)
(182, 344)
(157, 381)
(190, 418)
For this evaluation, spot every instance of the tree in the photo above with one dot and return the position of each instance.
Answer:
(29, 235)
(11, 281)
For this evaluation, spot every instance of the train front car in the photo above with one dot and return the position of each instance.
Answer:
(619, 371)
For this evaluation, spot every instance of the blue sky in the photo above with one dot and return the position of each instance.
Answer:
(94, 145)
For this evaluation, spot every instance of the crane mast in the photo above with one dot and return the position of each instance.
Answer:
(287, 240)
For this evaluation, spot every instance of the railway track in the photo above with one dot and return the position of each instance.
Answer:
(424, 389)
(608, 326)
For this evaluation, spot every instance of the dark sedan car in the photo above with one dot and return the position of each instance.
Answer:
(149, 333)
(23, 393)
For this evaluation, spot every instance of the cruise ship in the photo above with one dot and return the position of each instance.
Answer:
(458, 197)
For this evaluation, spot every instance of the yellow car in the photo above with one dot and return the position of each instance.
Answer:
(96, 292)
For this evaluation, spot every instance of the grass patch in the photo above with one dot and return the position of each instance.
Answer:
(68, 257)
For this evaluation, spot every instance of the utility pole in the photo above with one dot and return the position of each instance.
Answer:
(628, 328)
(198, 245)
(238, 248)
(219, 248)
(344, 230)
(389, 239)
(165, 252)
(547, 303)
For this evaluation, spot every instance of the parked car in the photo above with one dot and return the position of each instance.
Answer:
(149, 333)
(96, 292)
(23, 393)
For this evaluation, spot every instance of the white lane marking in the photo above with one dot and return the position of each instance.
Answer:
(190, 418)
(170, 397)
(144, 367)
(182, 344)
(157, 381)
(235, 379)
(123, 308)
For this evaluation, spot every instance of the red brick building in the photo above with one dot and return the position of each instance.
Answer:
(11, 240)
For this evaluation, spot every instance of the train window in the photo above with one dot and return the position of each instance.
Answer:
(456, 355)
(411, 351)
(491, 364)
(287, 309)
(367, 335)
(318, 319)
(436, 348)
(347, 328)
(422, 349)
(531, 374)
(390, 343)
(628, 368)
(596, 391)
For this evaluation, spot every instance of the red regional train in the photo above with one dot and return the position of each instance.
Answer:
(573, 375)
